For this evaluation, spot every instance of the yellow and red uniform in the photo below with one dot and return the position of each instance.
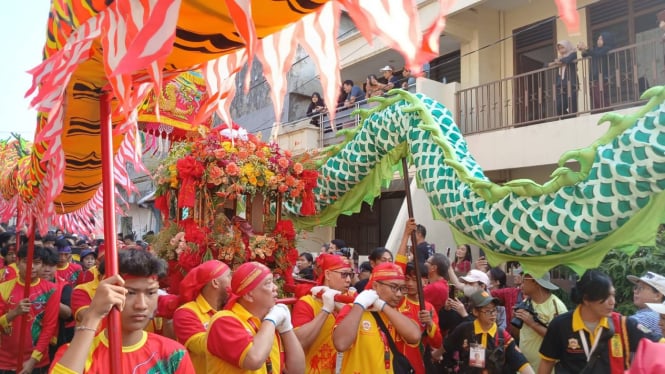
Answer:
(230, 336)
(321, 355)
(82, 296)
(41, 326)
(70, 272)
(433, 338)
(368, 353)
(9, 272)
(191, 322)
(152, 354)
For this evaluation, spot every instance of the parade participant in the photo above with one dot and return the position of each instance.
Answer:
(83, 293)
(11, 267)
(427, 319)
(88, 259)
(134, 292)
(66, 270)
(437, 265)
(660, 309)
(484, 347)
(533, 315)
(40, 311)
(253, 334)
(47, 272)
(649, 288)
(314, 317)
(592, 337)
(357, 333)
(202, 294)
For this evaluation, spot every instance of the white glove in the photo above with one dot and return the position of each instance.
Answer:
(329, 300)
(317, 289)
(378, 305)
(366, 298)
(278, 314)
(286, 324)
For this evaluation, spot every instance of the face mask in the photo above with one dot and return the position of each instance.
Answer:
(469, 290)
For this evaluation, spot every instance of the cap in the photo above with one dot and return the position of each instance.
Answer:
(654, 280)
(481, 298)
(544, 282)
(476, 276)
(657, 307)
(648, 358)
(386, 68)
(86, 252)
(65, 249)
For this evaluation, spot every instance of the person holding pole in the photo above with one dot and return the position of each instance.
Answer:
(39, 310)
(253, 334)
(361, 330)
(134, 292)
(314, 315)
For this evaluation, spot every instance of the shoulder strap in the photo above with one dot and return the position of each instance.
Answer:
(383, 328)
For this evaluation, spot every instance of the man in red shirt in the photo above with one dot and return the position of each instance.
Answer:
(252, 334)
(67, 270)
(202, 294)
(314, 315)
(134, 292)
(40, 310)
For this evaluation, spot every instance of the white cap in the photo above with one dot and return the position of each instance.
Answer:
(476, 276)
(654, 280)
(386, 68)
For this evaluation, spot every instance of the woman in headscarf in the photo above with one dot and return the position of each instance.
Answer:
(600, 68)
(566, 79)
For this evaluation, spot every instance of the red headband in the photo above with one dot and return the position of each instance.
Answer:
(385, 271)
(327, 261)
(198, 277)
(246, 278)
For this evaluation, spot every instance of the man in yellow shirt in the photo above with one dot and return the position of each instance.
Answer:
(202, 293)
(253, 334)
(356, 332)
(314, 315)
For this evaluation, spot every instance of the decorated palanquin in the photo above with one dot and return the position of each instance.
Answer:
(222, 196)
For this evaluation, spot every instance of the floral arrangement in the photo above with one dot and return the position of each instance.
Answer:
(199, 179)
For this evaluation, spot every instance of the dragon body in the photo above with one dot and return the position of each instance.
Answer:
(615, 199)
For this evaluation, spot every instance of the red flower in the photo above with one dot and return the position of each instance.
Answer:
(285, 229)
(232, 169)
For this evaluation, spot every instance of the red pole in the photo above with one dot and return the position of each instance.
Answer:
(114, 329)
(26, 288)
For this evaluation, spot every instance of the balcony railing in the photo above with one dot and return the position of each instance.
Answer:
(611, 82)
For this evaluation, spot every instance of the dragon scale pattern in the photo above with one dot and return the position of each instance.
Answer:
(618, 176)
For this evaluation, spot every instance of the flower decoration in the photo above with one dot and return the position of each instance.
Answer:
(202, 177)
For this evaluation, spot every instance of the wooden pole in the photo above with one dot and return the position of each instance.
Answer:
(111, 257)
(409, 206)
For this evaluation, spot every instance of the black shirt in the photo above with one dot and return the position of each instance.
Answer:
(563, 342)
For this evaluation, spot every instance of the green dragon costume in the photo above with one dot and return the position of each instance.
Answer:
(614, 200)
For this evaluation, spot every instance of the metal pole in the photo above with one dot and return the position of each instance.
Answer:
(409, 206)
(111, 257)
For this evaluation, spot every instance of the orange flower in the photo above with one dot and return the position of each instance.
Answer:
(215, 174)
(243, 154)
(283, 188)
(283, 162)
(232, 169)
(219, 153)
(291, 181)
(298, 168)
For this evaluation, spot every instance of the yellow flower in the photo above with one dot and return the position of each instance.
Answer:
(252, 180)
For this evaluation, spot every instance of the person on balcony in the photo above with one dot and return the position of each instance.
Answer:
(316, 108)
(566, 79)
(373, 87)
(391, 79)
(600, 68)
(354, 94)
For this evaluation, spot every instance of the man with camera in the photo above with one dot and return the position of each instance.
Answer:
(533, 315)
(482, 346)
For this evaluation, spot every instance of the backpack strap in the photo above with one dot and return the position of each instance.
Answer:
(383, 328)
